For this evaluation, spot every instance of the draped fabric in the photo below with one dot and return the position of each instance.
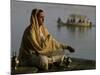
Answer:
(36, 39)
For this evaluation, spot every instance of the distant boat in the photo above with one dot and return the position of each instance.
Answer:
(76, 20)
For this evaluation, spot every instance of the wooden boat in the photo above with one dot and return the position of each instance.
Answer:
(76, 20)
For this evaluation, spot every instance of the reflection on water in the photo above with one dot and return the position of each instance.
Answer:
(74, 28)
(81, 38)
(80, 29)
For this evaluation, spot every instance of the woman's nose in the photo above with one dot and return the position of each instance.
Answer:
(43, 19)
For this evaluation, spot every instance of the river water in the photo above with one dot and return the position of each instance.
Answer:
(82, 39)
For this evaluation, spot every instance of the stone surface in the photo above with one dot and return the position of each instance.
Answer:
(77, 64)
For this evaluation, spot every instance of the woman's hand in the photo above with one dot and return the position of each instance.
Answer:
(69, 48)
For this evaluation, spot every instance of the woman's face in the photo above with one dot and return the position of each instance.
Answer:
(40, 18)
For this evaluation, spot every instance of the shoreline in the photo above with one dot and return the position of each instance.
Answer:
(77, 64)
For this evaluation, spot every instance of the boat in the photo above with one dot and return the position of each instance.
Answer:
(76, 20)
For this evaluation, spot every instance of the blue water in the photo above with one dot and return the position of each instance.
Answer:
(82, 39)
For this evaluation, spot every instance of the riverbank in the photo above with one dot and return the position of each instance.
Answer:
(77, 64)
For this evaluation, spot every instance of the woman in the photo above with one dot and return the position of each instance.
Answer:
(38, 47)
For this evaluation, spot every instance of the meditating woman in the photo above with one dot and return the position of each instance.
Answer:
(38, 48)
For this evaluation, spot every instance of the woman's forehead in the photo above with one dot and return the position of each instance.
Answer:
(41, 14)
